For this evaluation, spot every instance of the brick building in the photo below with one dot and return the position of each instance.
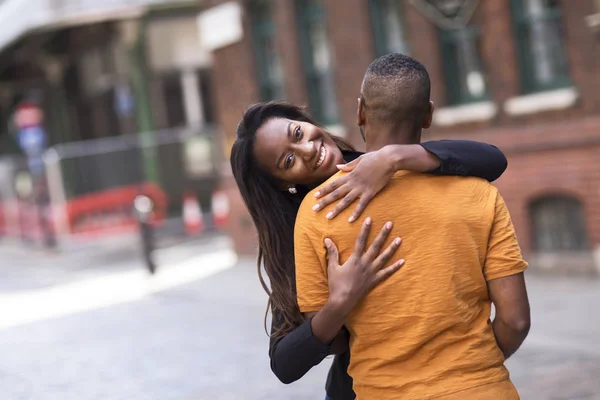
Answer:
(521, 74)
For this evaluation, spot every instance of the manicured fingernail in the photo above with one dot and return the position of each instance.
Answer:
(401, 262)
(352, 219)
(388, 225)
(329, 215)
(397, 241)
(368, 221)
(327, 242)
(316, 207)
(317, 194)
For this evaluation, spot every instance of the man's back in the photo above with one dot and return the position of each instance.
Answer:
(425, 332)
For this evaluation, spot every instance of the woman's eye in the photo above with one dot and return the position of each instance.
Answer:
(298, 133)
(288, 161)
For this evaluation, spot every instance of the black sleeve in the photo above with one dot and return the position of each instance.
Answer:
(466, 157)
(294, 354)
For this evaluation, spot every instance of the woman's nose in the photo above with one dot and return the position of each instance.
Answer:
(306, 150)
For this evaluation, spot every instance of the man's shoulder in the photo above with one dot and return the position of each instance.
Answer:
(434, 179)
(438, 186)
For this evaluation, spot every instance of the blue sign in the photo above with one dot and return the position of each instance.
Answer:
(124, 102)
(32, 140)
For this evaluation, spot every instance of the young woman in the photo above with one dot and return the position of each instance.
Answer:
(279, 155)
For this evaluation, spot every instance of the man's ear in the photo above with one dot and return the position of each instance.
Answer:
(360, 112)
(429, 117)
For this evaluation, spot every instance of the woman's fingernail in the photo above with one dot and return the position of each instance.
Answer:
(317, 194)
(388, 225)
(329, 215)
(316, 207)
(397, 241)
(352, 219)
(368, 221)
(401, 262)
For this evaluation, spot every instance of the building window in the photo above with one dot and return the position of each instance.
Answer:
(558, 224)
(268, 65)
(387, 21)
(463, 70)
(316, 54)
(540, 34)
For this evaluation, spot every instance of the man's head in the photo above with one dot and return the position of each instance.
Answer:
(395, 101)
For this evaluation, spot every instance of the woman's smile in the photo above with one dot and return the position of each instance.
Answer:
(322, 156)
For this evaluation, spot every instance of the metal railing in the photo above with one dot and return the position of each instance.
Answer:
(90, 186)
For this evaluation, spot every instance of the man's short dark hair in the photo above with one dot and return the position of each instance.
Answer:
(396, 89)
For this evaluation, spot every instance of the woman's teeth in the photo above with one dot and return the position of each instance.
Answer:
(321, 157)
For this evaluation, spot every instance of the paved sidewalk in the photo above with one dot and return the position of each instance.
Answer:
(196, 333)
(560, 359)
(34, 268)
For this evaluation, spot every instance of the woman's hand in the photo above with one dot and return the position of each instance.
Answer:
(350, 282)
(369, 174)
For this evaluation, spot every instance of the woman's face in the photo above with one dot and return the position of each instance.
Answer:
(296, 152)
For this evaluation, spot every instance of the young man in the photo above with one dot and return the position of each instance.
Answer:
(425, 332)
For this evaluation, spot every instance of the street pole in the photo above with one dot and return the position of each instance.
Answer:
(134, 38)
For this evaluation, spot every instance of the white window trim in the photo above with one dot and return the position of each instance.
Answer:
(577, 261)
(337, 130)
(559, 99)
(481, 111)
(593, 21)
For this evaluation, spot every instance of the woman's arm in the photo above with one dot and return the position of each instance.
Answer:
(446, 157)
(371, 172)
(467, 157)
(294, 354)
(303, 347)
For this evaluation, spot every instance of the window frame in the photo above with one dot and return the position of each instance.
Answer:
(380, 37)
(454, 96)
(557, 204)
(307, 14)
(262, 26)
(522, 23)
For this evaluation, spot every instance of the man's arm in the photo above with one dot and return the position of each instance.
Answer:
(512, 321)
(503, 270)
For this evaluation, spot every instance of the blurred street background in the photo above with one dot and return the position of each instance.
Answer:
(126, 254)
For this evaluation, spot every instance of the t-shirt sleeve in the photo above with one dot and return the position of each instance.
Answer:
(503, 256)
(311, 280)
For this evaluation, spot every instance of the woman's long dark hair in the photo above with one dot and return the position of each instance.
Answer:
(273, 210)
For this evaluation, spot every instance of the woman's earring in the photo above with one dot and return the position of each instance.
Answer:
(292, 190)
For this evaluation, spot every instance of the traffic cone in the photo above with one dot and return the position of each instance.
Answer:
(192, 215)
(220, 208)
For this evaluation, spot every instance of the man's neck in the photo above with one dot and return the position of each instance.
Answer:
(383, 135)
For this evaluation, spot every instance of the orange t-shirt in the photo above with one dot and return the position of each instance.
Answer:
(426, 331)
